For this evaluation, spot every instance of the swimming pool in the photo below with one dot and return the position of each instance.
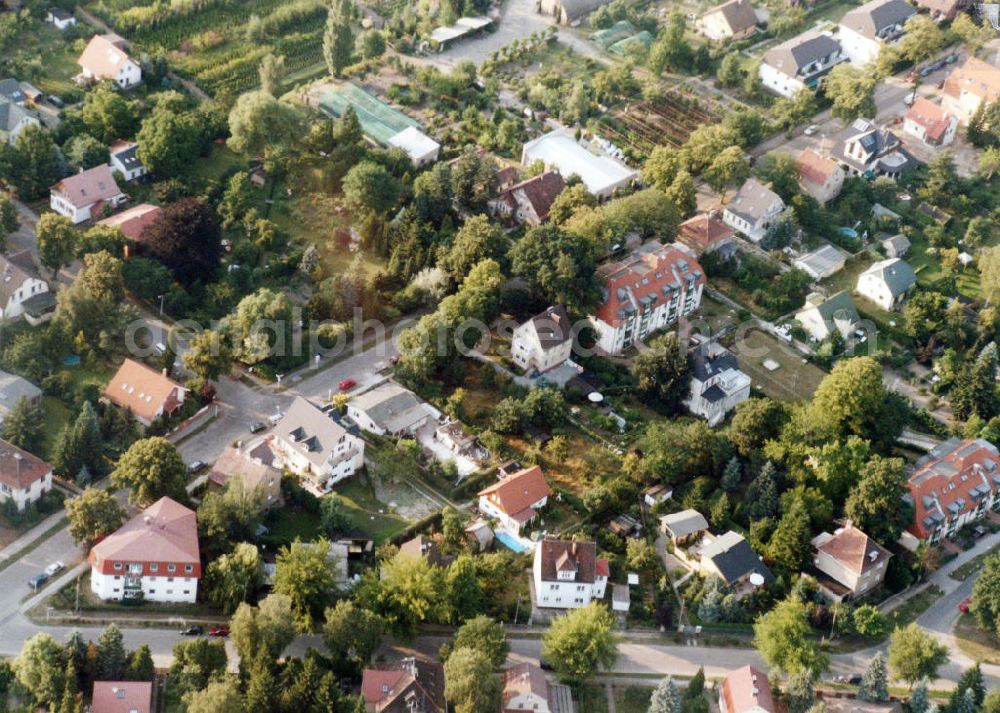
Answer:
(511, 542)
(849, 232)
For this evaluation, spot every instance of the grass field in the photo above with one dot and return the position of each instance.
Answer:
(56, 415)
(47, 58)
(792, 381)
(975, 642)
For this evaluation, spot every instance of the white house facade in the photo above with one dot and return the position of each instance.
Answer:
(865, 30)
(105, 58)
(24, 478)
(800, 63)
(543, 342)
(886, 283)
(567, 574)
(752, 210)
(311, 444)
(717, 384)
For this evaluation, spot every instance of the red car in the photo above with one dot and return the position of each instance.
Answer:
(963, 606)
(218, 631)
(348, 384)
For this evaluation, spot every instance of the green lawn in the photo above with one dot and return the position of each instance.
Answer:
(367, 513)
(49, 60)
(218, 163)
(963, 572)
(979, 644)
(57, 415)
(792, 381)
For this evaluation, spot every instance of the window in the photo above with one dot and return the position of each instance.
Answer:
(189, 568)
(171, 567)
(118, 565)
(154, 567)
(170, 579)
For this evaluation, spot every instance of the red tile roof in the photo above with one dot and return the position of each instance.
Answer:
(18, 468)
(569, 555)
(394, 687)
(929, 115)
(704, 233)
(814, 168)
(164, 533)
(976, 77)
(134, 221)
(144, 390)
(519, 492)
(746, 688)
(652, 273)
(602, 568)
(103, 58)
(122, 697)
(855, 550)
(525, 678)
(950, 481)
(88, 187)
(539, 192)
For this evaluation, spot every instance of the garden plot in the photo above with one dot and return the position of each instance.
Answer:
(666, 122)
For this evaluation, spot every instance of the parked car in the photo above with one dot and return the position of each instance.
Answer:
(963, 606)
(196, 466)
(55, 101)
(811, 129)
(346, 384)
(218, 631)
(257, 426)
(275, 417)
(195, 630)
(54, 568)
(37, 581)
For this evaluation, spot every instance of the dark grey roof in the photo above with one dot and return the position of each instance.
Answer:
(794, 54)
(897, 275)
(11, 89)
(552, 327)
(12, 114)
(39, 304)
(739, 15)
(734, 558)
(872, 18)
(882, 148)
(60, 14)
(713, 394)
(711, 359)
(839, 306)
(128, 157)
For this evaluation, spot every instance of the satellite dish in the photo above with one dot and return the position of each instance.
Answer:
(595, 397)
(757, 579)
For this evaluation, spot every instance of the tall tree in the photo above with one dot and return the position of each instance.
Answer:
(151, 468)
(270, 624)
(989, 271)
(40, 668)
(919, 699)
(558, 264)
(975, 389)
(24, 426)
(369, 186)
(487, 636)
(338, 38)
(875, 502)
(208, 355)
(262, 685)
(112, 660)
(799, 692)
(875, 682)
(234, 577)
(352, 631)
(985, 604)
(915, 654)
(271, 69)
(56, 241)
(469, 682)
(93, 514)
(258, 123)
(663, 373)
(219, 696)
(852, 92)
(305, 574)
(666, 698)
(782, 636)
(581, 642)
(186, 238)
(34, 164)
(169, 141)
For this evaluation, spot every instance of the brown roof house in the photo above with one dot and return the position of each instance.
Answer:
(734, 19)
(122, 697)
(706, 233)
(525, 688)
(568, 574)
(970, 85)
(426, 548)
(105, 58)
(529, 201)
(849, 562)
(148, 393)
(746, 690)
(753, 209)
(543, 342)
(409, 685)
(85, 195)
(254, 466)
(820, 177)
(930, 123)
(23, 292)
(23, 477)
(134, 221)
(154, 556)
(515, 501)
(942, 9)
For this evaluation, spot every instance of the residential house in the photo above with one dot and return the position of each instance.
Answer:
(134, 221)
(148, 393)
(732, 20)
(568, 574)
(717, 384)
(125, 160)
(459, 441)
(389, 409)
(23, 292)
(895, 245)
(943, 10)
(886, 283)
(930, 123)
(559, 149)
(684, 527)
(821, 317)
(515, 501)
(969, 86)
(569, 12)
(13, 390)
(706, 233)
(657, 495)
(819, 176)
(425, 548)
(105, 58)
(83, 196)
(62, 19)
(955, 484)
(543, 342)
(731, 558)
(15, 118)
(254, 466)
(12, 91)
(122, 697)
(746, 690)
(865, 149)
(154, 556)
(799, 64)
(865, 30)
(311, 444)
(529, 201)
(24, 478)
(647, 291)
(822, 262)
(409, 685)
(525, 688)
(753, 209)
(850, 563)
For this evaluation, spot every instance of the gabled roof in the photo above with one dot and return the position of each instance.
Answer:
(252, 466)
(900, 243)
(747, 688)
(15, 270)
(144, 390)
(103, 58)
(734, 558)
(580, 556)
(134, 221)
(310, 431)
(839, 306)
(391, 407)
(753, 201)
(552, 327)
(12, 114)
(816, 169)
(711, 359)
(539, 192)
(975, 77)
(13, 388)
(166, 531)
(88, 187)
(823, 261)
(575, 9)
(931, 117)
(126, 153)
(703, 233)
(852, 548)
(122, 697)
(873, 17)
(794, 54)
(897, 275)
(684, 523)
(409, 685)
(517, 493)
(11, 89)
(18, 468)
(739, 15)
(523, 679)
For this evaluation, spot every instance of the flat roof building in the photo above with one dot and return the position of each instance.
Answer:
(601, 174)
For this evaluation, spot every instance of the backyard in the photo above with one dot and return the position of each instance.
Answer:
(794, 379)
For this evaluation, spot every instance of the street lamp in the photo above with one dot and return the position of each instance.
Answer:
(161, 304)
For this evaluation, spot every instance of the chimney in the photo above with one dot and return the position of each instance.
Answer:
(164, 371)
(147, 519)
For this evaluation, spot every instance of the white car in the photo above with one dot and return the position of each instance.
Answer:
(275, 417)
(54, 568)
(811, 129)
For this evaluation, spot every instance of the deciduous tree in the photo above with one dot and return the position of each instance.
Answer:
(233, 578)
(581, 642)
(915, 654)
(151, 468)
(93, 514)
(352, 631)
(56, 241)
(469, 681)
(305, 574)
(782, 636)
